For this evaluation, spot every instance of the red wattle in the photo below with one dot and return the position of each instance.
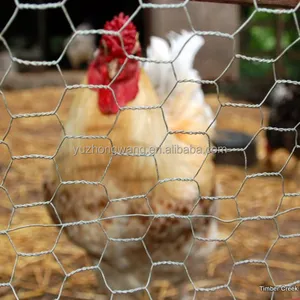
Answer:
(125, 86)
(125, 89)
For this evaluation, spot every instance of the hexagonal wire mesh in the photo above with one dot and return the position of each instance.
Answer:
(189, 218)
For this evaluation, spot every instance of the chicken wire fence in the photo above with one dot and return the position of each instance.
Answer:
(61, 226)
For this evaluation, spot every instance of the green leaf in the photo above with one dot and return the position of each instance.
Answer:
(255, 69)
(263, 37)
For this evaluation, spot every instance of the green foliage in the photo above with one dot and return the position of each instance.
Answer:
(262, 38)
(255, 70)
(259, 39)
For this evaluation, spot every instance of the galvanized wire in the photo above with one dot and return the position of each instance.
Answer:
(61, 225)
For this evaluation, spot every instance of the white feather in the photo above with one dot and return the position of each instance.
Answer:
(280, 93)
(158, 71)
(182, 51)
(184, 48)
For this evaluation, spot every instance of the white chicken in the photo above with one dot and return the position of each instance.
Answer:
(170, 185)
(180, 52)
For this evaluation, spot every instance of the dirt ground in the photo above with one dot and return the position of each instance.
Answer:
(41, 277)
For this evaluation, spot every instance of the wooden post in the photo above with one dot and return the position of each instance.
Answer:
(216, 53)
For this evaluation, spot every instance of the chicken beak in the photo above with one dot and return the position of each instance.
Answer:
(112, 69)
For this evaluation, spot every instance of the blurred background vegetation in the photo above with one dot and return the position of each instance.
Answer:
(265, 36)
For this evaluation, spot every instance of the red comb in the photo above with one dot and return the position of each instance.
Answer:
(129, 33)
